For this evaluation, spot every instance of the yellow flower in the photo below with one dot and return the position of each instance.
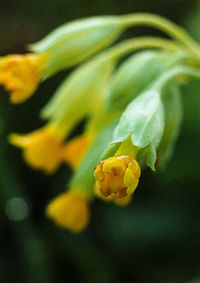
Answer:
(69, 210)
(20, 74)
(42, 149)
(75, 149)
(117, 177)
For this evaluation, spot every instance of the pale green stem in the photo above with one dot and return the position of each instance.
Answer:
(165, 25)
(138, 43)
(168, 76)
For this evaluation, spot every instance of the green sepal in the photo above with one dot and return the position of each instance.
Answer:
(81, 93)
(143, 120)
(173, 117)
(133, 76)
(110, 150)
(73, 42)
(147, 156)
(83, 178)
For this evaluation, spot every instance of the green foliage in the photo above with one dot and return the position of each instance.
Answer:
(143, 119)
(133, 76)
(173, 118)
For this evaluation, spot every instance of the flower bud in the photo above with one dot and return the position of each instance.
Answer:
(117, 176)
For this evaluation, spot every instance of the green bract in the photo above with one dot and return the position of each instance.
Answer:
(72, 43)
(134, 75)
(173, 118)
(143, 120)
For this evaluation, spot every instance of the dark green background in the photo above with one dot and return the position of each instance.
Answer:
(156, 238)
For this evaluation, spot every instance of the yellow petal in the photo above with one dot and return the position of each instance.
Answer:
(117, 176)
(131, 177)
(70, 211)
(20, 74)
(75, 149)
(42, 149)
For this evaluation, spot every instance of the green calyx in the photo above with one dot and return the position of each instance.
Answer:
(74, 42)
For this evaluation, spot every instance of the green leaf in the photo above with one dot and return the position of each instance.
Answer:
(133, 76)
(173, 118)
(143, 119)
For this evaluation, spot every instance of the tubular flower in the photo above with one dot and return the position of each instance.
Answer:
(117, 177)
(75, 149)
(69, 210)
(20, 74)
(42, 149)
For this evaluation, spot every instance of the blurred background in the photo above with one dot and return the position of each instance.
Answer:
(157, 237)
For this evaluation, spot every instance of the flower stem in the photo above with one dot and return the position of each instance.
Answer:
(142, 42)
(168, 76)
(166, 26)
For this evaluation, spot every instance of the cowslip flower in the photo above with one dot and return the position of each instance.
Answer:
(21, 74)
(118, 176)
(42, 149)
(69, 210)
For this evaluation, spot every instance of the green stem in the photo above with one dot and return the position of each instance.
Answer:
(165, 25)
(142, 42)
(173, 73)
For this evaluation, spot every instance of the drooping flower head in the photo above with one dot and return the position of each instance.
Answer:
(129, 125)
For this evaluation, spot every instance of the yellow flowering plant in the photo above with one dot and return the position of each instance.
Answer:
(132, 107)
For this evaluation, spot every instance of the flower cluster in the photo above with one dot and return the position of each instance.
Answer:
(132, 107)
